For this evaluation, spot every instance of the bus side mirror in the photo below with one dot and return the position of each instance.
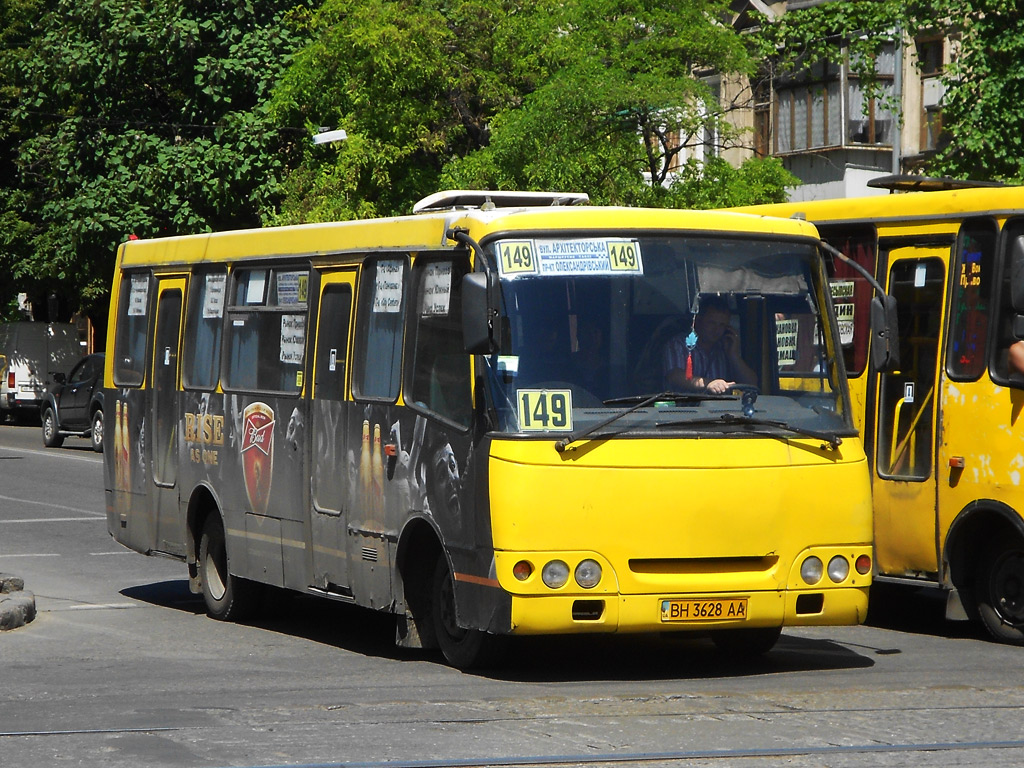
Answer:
(885, 334)
(1017, 274)
(480, 330)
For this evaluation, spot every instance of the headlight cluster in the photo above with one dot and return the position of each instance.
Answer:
(812, 570)
(555, 573)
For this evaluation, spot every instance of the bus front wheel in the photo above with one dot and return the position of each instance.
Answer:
(999, 592)
(227, 597)
(462, 648)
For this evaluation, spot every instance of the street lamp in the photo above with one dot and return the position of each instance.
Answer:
(329, 137)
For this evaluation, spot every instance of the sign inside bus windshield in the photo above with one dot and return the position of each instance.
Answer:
(585, 256)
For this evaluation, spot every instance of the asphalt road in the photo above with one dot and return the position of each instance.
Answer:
(121, 667)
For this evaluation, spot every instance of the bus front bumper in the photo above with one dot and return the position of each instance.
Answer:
(570, 614)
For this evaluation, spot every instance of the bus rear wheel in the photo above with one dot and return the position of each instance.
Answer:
(227, 597)
(462, 648)
(999, 592)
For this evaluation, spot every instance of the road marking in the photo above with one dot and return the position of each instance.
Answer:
(106, 554)
(35, 554)
(49, 505)
(97, 459)
(54, 519)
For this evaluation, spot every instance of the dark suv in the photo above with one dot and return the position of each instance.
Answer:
(73, 405)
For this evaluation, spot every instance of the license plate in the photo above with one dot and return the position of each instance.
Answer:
(697, 609)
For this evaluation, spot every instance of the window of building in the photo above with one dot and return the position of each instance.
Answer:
(826, 105)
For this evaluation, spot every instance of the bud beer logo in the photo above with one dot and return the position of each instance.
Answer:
(258, 454)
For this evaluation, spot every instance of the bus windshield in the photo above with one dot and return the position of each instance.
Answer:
(597, 324)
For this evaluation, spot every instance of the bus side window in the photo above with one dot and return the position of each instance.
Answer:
(203, 327)
(969, 310)
(1005, 314)
(381, 314)
(266, 331)
(133, 312)
(851, 293)
(438, 370)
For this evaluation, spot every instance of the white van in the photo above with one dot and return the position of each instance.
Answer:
(30, 353)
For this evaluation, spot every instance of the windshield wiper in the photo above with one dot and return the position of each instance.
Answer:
(732, 419)
(638, 402)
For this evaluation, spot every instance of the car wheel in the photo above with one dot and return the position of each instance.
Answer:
(97, 431)
(51, 437)
(227, 597)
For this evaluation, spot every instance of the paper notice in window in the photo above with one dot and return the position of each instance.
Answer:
(387, 294)
(293, 338)
(138, 296)
(213, 297)
(437, 289)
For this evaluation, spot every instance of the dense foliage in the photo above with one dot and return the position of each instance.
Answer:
(142, 118)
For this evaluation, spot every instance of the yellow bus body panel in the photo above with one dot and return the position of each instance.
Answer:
(673, 518)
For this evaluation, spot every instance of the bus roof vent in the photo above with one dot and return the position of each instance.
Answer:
(905, 182)
(488, 200)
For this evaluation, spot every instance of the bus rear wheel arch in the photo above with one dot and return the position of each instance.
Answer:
(227, 596)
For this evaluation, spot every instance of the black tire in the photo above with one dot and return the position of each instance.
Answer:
(999, 593)
(51, 437)
(96, 433)
(747, 643)
(227, 597)
(462, 648)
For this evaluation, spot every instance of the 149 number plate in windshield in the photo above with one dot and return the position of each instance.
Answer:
(545, 410)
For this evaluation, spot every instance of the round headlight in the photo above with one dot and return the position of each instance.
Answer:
(555, 574)
(588, 574)
(838, 569)
(811, 570)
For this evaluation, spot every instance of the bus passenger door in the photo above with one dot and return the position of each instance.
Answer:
(164, 416)
(905, 484)
(330, 480)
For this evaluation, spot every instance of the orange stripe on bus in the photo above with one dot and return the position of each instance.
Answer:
(484, 582)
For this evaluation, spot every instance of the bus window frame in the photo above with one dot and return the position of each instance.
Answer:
(1002, 308)
(361, 339)
(123, 323)
(196, 283)
(272, 269)
(955, 290)
(412, 332)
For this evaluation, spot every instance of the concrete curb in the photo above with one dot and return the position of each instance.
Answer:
(17, 607)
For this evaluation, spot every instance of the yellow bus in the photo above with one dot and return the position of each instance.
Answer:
(459, 417)
(942, 429)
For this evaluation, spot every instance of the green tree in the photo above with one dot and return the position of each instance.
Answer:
(584, 95)
(142, 118)
(983, 108)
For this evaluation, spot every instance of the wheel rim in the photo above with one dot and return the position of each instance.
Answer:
(1006, 588)
(447, 611)
(214, 567)
(48, 425)
(97, 430)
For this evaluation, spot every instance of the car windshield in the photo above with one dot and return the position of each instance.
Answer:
(597, 325)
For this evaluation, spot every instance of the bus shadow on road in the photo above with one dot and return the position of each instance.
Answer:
(919, 611)
(370, 633)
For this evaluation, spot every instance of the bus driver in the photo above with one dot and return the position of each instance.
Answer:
(708, 358)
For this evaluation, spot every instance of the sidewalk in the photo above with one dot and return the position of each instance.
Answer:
(17, 607)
